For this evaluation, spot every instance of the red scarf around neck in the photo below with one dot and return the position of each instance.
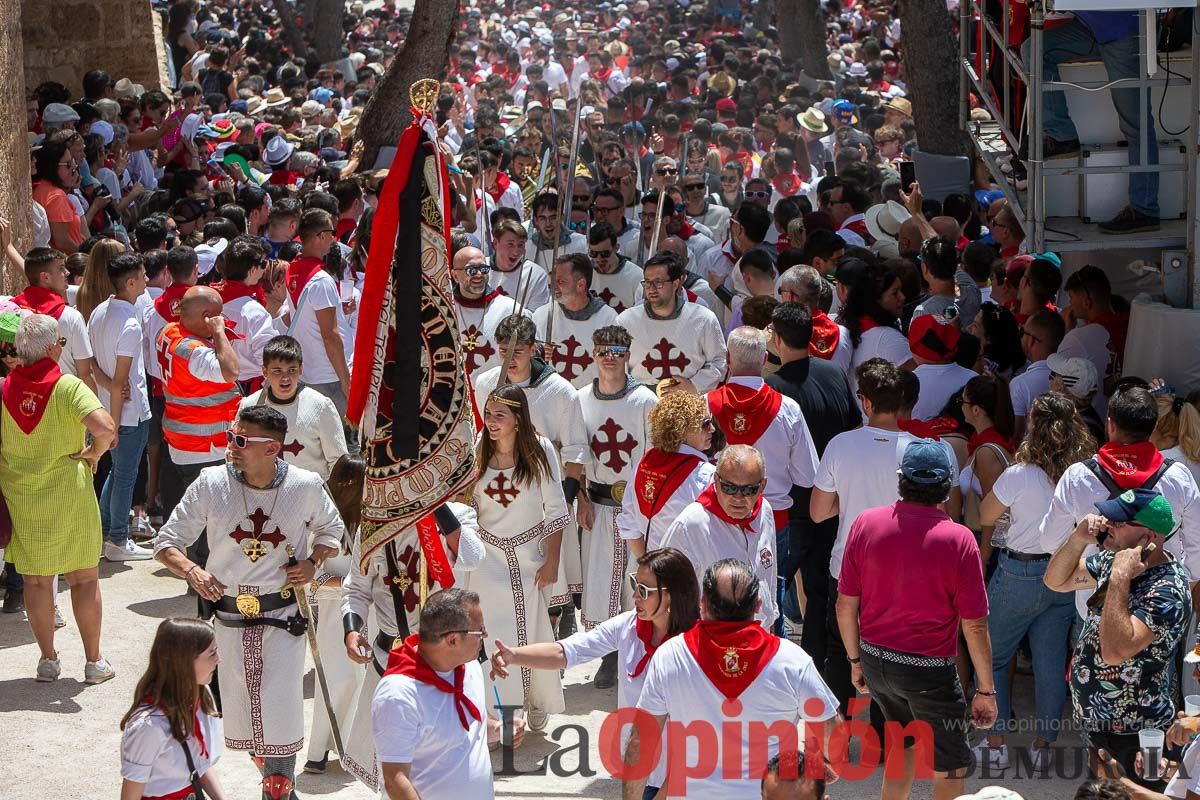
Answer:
(1130, 465)
(41, 301)
(918, 428)
(825, 336)
(645, 632)
(659, 474)
(686, 229)
(167, 303)
(602, 74)
(787, 183)
(866, 322)
(299, 273)
(742, 413)
(731, 654)
(500, 187)
(708, 499)
(989, 436)
(477, 302)
(231, 290)
(197, 731)
(27, 392)
(407, 660)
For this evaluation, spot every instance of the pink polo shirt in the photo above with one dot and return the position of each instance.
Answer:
(917, 573)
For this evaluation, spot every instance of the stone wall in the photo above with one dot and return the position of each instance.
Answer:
(66, 38)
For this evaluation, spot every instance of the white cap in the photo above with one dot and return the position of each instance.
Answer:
(1078, 375)
(208, 253)
(104, 130)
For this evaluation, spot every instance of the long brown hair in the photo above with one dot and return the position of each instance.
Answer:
(675, 573)
(1056, 437)
(531, 463)
(169, 681)
(990, 392)
(96, 285)
(345, 486)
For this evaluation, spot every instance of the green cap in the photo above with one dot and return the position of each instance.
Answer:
(1143, 506)
(9, 322)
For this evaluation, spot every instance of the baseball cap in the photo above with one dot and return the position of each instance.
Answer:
(1143, 506)
(985, 197)
(1078, 374)
(926, 462)
(843, 111)
(208, 253)
(932, 339)
(9, 322)
(726, 105)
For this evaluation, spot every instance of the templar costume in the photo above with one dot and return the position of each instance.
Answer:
(572, 332)
(664, 484)
(618, 428)
(477, 323)
(514, 521)
(259, 630)
(391, 583)
(542, 253)
(314, 438)
(621, 289)
(514, 282)
(687, 344)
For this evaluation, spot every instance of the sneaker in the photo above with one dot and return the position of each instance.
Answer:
(141, 529)
(566, 622)
(1042, 759)
(606, 676)
(48, 669)
(536, 720)
(1129, 220)
(98, 672)
(14, 601)
(993, 759)
(127, 552)
(1053, 148)
(59, 622)
(315, 766)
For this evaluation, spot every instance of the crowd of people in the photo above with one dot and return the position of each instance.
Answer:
(763, 430)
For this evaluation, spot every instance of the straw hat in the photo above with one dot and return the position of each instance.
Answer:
(814, 120)
(127, 88)
(900, 105)
(276, 97)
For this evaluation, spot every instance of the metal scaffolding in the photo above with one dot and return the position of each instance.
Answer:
(983, 46)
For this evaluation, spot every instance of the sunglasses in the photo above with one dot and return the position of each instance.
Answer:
(605, 209)
(239, 440)
(735, 489)
(581, 198)
(694, 187)
(600, 253)
(612, 351)
(477, 269)
(482, 633)
(641, 590)
(666, 171)
(758, 195)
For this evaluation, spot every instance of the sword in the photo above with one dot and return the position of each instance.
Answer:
(310, 631)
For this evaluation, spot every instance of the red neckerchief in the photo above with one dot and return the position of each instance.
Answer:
(708, 499)
(731, 654)
(167, 303)
(918, 428)
(645, 632)
(196, 729)
(1011, 252)
(659, 474)
(943, 426)
(686, 229)
(787, 183)
(866, 322)
(344, 226)
(1117, 326)
(860, 227)
(782, 243)
(744, 414)
(283, 177)
(989, 436)
(299, 273)
(502, 183)
(1130, 465)
(407, 660)
(42, 301)
(479, 302)
(602, 74)
(231, 290)
(27, 392)
(825, 335)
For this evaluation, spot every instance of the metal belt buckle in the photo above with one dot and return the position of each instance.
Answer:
(397, 642)
(248, 605)
(618, 491)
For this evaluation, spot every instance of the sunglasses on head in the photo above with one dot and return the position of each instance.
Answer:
(239, 440)
(641, 590)
(734, 489)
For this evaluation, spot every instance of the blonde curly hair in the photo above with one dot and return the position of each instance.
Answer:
(675, 416)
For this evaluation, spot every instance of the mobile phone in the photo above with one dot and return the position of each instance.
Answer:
(830, 168)
(908, 175)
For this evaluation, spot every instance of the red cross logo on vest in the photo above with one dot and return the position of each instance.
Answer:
(616, 448)
(570, 358)
(502, 490)
(661, 364)
(294, 448)
(252, 540)
(477, 348)
(610, 299)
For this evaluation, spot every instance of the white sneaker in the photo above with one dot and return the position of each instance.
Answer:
(98, 672)
(59, 622)
(127, 552)
(993, 759)
(1042, 759)
(48, 669)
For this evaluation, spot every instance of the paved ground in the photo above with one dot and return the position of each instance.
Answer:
(64, 735)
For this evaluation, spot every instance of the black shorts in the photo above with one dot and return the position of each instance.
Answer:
(932, 695)
(158, 407)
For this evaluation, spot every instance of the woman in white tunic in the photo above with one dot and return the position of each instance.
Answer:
(522, 513)
(171, 736)
(666, 600)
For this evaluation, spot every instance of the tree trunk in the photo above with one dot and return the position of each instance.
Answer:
(291, 31)
(802, 36)
(425, 54)
(763, 11)
(16, 198)
(932, 71)
(327, 29)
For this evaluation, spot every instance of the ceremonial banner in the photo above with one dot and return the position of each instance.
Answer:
(409, 388)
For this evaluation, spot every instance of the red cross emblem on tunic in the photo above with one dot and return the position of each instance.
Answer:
(570, 358)
(409, 565)
(477, 349)
(502, 490)
(660, 362)
(610, 299)
(613, 450)
(294, 448)
(252, 540)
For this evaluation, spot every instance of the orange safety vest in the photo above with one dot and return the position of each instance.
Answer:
(197, 412)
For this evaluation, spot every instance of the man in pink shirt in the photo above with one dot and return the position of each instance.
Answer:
(909, 576)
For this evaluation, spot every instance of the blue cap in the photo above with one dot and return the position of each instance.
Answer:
(985, 197)
(843, 110)
(926, 461)
(1144, 507)
(633, 127)
(322, 95)
(239, 106)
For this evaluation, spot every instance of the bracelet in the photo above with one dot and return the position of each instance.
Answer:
(188, 571)
(313, 561)
(854, 660)
(985, 694)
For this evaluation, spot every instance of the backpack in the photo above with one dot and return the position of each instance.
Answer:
(1115, 491)
(210, 82)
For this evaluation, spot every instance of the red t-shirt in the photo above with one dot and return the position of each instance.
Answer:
(916, 574)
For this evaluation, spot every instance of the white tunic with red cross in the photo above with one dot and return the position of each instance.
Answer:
(570, 353)
(477, 325)
(689, 345)
(621, 289)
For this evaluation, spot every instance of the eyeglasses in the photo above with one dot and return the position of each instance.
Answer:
(758, 194)
(239, 440)
(612, 351)
(600, 253)
(544, 220)
(656, 285)
(641, 590)
(61, 341)
(708, 424)
(473, 270)
(666, 171)
(70, 165)
(605, 209)
(735, 489)
(482, 632)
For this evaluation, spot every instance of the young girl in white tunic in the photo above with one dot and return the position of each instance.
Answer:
(171, 735)
(522, 513)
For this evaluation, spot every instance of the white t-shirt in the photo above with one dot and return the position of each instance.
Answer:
(1091, 342)
(677, 687)
(1026, 490)
(1177, 454)
(938, 383)
(72, 328)
(415, 723)
(151, 755)
(1034, 381)
(860, 467)
(320, 293)
(114, 330)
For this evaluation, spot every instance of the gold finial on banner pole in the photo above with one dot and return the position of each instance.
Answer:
(423, 95)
